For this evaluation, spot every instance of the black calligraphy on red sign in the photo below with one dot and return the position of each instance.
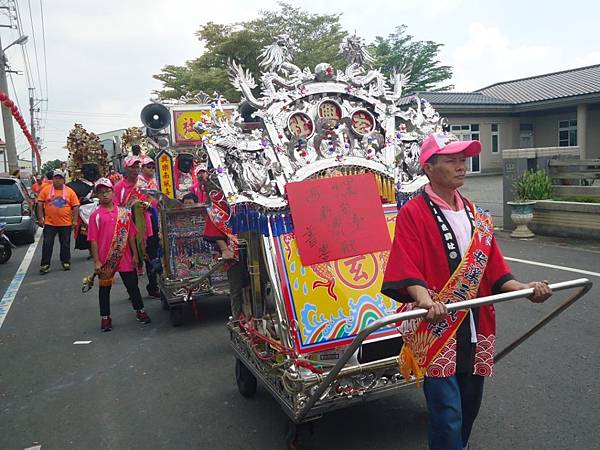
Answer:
(337, 218)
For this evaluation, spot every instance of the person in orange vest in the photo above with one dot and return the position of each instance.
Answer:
(37, 185)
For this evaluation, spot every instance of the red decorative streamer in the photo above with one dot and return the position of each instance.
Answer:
(21, 121)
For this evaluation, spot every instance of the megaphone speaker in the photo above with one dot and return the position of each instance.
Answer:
(155, 116)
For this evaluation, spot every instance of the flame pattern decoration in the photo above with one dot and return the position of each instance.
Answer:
(363, 311)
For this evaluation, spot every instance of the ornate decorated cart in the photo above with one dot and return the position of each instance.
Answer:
(319, 336)
(190, 270)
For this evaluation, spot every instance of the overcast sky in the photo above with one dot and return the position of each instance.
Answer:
(101, 55)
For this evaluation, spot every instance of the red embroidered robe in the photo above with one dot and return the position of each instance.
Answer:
(419, 257)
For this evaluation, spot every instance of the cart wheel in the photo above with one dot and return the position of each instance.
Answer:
(246, 381)
(164, 302)
(177, 315)
(298, 435)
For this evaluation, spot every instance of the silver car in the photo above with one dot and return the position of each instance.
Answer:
(16, 209)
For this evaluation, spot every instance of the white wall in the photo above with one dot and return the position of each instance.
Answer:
(489, 162)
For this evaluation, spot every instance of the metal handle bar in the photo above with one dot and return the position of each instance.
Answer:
(196, 280)
(583, 283)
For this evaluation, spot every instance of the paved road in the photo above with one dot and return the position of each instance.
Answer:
(158, 387)
(486, 192)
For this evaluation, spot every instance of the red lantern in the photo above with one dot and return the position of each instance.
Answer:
(8, 103)
(14, 108)
(3, 96)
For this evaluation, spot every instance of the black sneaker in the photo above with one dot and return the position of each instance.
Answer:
(66, 266)
(44, 269)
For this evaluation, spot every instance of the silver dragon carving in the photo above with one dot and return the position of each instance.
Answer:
(260, 162)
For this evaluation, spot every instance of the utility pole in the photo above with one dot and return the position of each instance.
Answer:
(7, 118)
(31, 112)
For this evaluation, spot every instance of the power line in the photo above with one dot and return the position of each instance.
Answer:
(37, 62)
(28, 71)
(14, 90)
(44, 47)
(88, 113)
(45, 111)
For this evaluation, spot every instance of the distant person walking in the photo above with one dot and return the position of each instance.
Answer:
(57, 212)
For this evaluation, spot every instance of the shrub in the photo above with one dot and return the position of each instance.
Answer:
(533, 185)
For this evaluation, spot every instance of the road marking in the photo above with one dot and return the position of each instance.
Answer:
(552, 266)
(15, 284)
(82, 342)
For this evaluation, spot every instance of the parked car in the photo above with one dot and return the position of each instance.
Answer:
(17, 209)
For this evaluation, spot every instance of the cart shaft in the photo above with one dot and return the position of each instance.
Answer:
(583, 283)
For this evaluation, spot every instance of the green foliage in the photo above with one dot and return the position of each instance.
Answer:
(577, 198)
(533, 185)
(50, 165)
(317, 38)
(399, 49)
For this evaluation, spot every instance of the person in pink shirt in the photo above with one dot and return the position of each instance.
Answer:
(111, 232)
(147, 180)
(128, 193)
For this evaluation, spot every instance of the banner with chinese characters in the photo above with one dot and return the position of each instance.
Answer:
(184, 121)
(166, 177)
(330, 302)
(337, 217)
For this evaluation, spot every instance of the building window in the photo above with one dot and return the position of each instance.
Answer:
(468, 133)
(567, 133)
(526, 135)
(495, 137)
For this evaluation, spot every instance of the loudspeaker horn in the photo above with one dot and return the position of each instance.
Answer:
(155, 116)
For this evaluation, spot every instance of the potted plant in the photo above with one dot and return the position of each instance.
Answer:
(531, 186)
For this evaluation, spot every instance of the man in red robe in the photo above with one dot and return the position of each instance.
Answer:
(444, 251)
(218, 231)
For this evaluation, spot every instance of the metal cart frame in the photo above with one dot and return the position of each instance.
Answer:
(305, 397)
(176, 292)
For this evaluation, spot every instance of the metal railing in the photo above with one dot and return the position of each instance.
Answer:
(583, 283)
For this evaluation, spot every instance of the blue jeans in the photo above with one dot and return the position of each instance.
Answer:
(453, 404)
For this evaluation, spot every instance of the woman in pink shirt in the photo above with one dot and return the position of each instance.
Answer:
(112, 232)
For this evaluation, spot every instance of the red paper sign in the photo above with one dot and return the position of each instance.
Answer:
(337, 218)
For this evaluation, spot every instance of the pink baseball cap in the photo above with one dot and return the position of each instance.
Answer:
(147, 160)
(446, 144)
(131, 160)
(103, 182)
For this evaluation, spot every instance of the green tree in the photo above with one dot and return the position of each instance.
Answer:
(317, 38)
(399, 50)
(50, 165)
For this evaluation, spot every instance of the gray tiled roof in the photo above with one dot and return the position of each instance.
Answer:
(454, 98)
(568, 83)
